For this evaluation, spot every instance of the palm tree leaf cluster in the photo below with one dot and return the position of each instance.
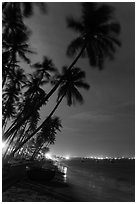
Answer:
(72, 80)
(97, 31)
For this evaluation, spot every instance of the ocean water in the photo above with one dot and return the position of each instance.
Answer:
(102, 181)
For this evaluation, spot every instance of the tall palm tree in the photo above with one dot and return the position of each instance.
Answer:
(97, 33)
(98, 37)
(73, 79)
(15, 40)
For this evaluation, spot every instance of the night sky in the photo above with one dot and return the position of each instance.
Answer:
(105, 124)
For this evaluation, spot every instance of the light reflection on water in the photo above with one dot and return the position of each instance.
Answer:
(63, 169)
(65, 173)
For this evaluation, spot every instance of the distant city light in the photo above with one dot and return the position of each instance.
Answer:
(65, 170)
(101, 158)
(67, 157)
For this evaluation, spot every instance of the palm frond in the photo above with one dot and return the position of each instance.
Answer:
(74, 46)
(74, 24)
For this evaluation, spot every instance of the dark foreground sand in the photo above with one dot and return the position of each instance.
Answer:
(83, 182)
(18, 194)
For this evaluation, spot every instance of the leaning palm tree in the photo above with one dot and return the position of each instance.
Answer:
(97, 34)
(96, 28)
(73, 79)
(98, 37)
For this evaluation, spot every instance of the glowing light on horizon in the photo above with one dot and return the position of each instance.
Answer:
(67, 157)
(48, 156)
(101, 158)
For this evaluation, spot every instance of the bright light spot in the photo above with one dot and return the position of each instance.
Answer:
(65, 170)
(48, 156)
(67, 157)
(101, 158)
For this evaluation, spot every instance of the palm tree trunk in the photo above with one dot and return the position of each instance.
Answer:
(3, 82)
(26, 140)
(11, 61)
(19, 137)
(10, 142)
(4, 124)
(69, 68)
(36, 152)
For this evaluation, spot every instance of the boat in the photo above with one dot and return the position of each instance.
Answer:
(40, 174)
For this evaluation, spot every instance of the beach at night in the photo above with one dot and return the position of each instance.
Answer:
(84, 180)
(68, 101)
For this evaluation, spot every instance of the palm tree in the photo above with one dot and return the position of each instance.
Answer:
(97, 34)
(47, 134)
(98, 37)
(10, 98)
(69, 87)
(26, 8)
(73, 79)
(33, 101)
(19, 78)
(45, 68)
(15, 38)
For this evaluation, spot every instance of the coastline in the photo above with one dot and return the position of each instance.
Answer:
(83, 182)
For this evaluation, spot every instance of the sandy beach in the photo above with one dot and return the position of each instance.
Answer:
(82, 182)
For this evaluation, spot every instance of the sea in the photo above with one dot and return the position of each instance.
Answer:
(90, 180)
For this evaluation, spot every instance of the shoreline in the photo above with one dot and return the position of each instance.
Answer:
(82, 182)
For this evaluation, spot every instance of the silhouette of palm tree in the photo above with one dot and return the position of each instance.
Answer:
(98, 34)
(10, 98)
(26, 8)
(98, 37)
(33, 101)
(19, 78)
(33, 85)
(45, 68)
(69, 87)
(47, 134)
(15, 40)
(73, 79)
